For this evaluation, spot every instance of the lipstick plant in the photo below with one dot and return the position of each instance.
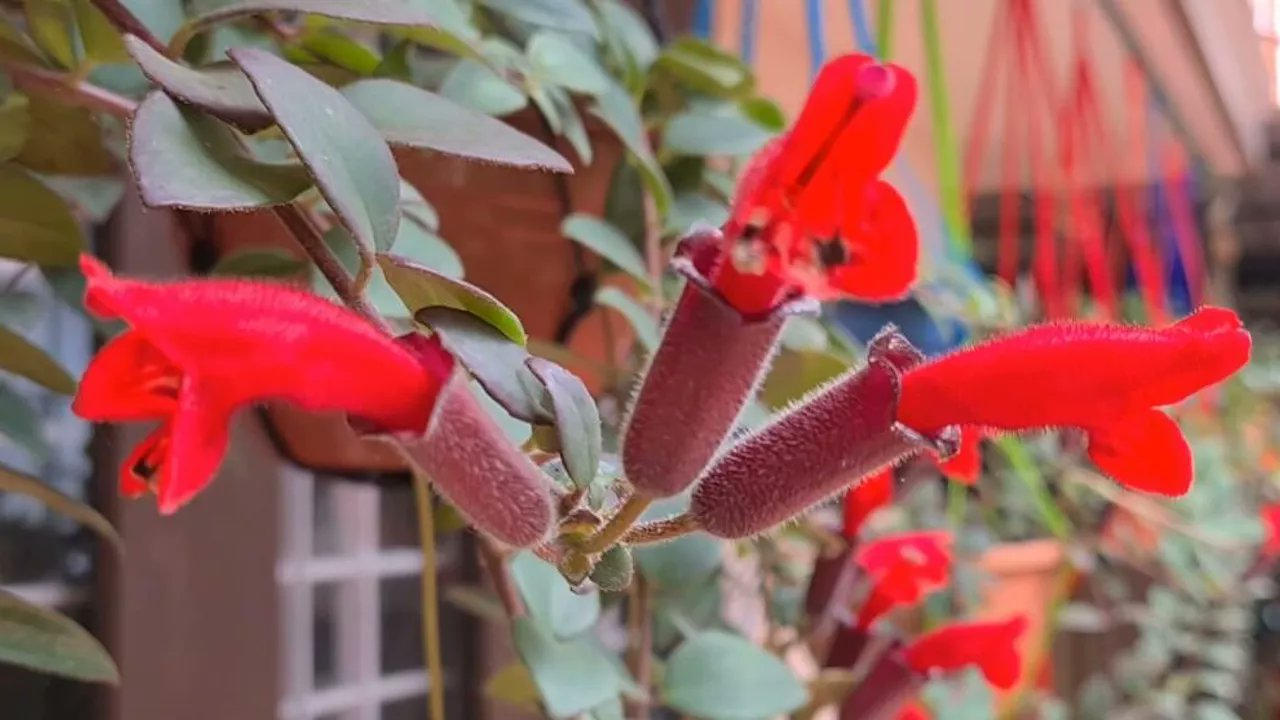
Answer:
(637, 506)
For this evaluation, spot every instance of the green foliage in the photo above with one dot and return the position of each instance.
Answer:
(42, 640)
(715, 674)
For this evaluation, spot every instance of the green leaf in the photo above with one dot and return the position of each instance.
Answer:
(478, 87)
(52, 24)
(497, 362)
(572, 677)
(15, 482)
(378, 12)
(692, 209)
(606, 241)
(412, 117)
(420, 287)
(715, 674)
(222, 91)
(571, 126)
(379, 292)
(705, 68)
(698, 132)
(350, 163)
(64, 140)
(259, 262)
(685, 562)
(1213, 710)
(577, 419)
(632, 32)
(765, 113)
(20, 423)
(14, 122)
(558, 60)
(15, 45)
(616, 110)
(566, 15)
(331, 45)
(513, 685)
(26, 360)
(45, 641)
(645, 326)
(35, 224)
(102, 42)
(186, 159)
(550, 599)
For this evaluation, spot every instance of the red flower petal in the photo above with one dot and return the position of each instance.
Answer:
(1144, 451)
(128, 380)
(914, 711)
(902, 569)
(864, 499)
(991, 646)
(1271, 523)
(883, 245)
(1089, 376)
(201, 432)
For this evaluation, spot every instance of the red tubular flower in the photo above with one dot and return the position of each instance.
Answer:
(991, 646)
(840, 435)
(810, 222)
(966, 465)
(902, 570)
(1271, 524)
(861, 501)
(196, 351)
(1104, 379)
(914, 711)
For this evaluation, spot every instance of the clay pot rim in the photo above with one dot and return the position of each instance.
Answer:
(1024, 557)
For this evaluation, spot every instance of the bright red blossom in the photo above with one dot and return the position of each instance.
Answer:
(196, 351)
(1104, 379)
(864, 499)
(902, 569)
(1271, 524)
(811, 216)
(991, 646)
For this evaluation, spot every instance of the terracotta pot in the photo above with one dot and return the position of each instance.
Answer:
(504, 223)
(1027, 578)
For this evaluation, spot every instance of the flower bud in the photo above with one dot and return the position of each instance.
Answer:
(707, 367)
(474, 466)
(837, 437)
(613, 571)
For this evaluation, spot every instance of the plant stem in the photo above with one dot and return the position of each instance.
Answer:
(68, 88)
(312, 242)
(618, 525)
(495, 562)
(640, 644)
(126, 22)
(661, 530)
(430, 596)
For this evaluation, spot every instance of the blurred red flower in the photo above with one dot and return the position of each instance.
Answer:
(991, 646)
(902, 570)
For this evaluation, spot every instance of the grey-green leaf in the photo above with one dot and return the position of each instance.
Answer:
(474, 85)
(16, 482)
(558, 60)
(550, 599)
(617, 111)
(259, 262)
(496, 361)
(577, 420)
(645, 326)
(698, 132)
(420, 287)
(566, 15)
(35, 224)
(606, 241)
(350, 163)
(45, 641)
(222, 91)
(379, 12)
(26, 360)
(186, 159)
(412, 117)
(572, 677)
(718, 675)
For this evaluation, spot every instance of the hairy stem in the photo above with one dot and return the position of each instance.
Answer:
(495, 563)
(312, 242)
(618, 525)
(661, 530)
(67, 88)
(430, 596)
(640, 644)
(126, 22)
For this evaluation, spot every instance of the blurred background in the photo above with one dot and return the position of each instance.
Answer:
(290, 590)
